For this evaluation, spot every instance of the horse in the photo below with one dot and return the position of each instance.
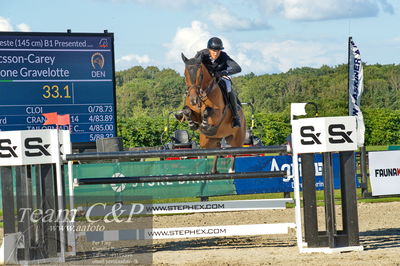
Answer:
(205, 108)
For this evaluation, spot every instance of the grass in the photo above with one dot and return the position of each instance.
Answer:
(377, 148)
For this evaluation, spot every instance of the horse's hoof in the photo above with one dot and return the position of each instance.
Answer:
(178, 116)
(209, 130)
(194, 127)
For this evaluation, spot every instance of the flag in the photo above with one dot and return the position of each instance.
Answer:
(356, 87)
(63, 120)
(51, 118)
(56, 119)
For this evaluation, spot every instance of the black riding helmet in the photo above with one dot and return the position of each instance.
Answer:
(215, 44)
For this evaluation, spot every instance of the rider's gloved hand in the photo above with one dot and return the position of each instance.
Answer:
(220, 74)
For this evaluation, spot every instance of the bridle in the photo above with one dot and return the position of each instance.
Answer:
(201, 94)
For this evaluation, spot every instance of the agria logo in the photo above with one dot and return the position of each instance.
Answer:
(103, 43)
(97, 61)
(118, 187)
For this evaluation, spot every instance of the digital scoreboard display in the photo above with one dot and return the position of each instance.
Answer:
(67, 73)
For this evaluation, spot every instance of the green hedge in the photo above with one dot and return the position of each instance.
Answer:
(382, 126)
(145, 129)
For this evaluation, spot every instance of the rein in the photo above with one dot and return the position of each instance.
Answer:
(203, 93)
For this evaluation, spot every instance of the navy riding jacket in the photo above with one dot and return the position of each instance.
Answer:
(224, 64)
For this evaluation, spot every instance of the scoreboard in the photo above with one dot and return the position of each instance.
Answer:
(67, 73)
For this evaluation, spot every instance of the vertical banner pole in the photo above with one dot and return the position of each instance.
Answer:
(348, 76)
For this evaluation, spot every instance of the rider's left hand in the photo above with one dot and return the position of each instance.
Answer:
(221, 74)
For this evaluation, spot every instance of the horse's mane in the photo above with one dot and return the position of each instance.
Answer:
(193, 61)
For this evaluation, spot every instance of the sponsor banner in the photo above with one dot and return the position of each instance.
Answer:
(280, 163)
(163, 190)
(188, 207)
(33, 146)
(384, 172)
(356, 87)
(324, 134)
(190, 232)
(156, 190)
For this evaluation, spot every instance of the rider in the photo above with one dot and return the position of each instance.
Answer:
(220, 65)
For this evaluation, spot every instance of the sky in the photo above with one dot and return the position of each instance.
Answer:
(263, 36)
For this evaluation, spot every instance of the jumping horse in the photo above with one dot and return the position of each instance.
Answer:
(205, 108)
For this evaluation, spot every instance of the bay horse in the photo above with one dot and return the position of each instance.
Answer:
(205, 108)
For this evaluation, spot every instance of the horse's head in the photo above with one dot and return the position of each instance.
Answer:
(194, 78)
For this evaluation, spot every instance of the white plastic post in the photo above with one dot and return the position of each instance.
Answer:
(296, 183)
(60, 196)
(71, 235)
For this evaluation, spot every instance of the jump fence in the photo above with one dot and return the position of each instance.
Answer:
(33, 160)
(212, 206)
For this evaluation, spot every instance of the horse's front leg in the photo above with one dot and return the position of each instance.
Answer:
(208, 112)
(187, 113)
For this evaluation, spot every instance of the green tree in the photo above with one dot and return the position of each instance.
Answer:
(154, 92)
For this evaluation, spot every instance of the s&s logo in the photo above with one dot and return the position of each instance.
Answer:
(35, 147)
(97, 61)
(6, 149)
(339, 134)
(324, 134)
(309, 136)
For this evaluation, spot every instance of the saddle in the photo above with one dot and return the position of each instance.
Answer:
(222, 86)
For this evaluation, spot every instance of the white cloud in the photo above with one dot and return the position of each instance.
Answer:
(23, 27)
(170, 4)
(5, 25)
(189, 41)
(224, 20)
(396, 40)
(131, 60)
(323, 10)
(258, 57)
(275, 57)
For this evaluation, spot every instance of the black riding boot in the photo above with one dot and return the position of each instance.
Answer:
(233, 106)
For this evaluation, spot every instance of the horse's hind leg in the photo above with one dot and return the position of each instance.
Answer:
(214, 169)
(235, 140)
(238, 137)
(206, 142)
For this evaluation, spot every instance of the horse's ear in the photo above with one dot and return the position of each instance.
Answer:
(184, 58)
